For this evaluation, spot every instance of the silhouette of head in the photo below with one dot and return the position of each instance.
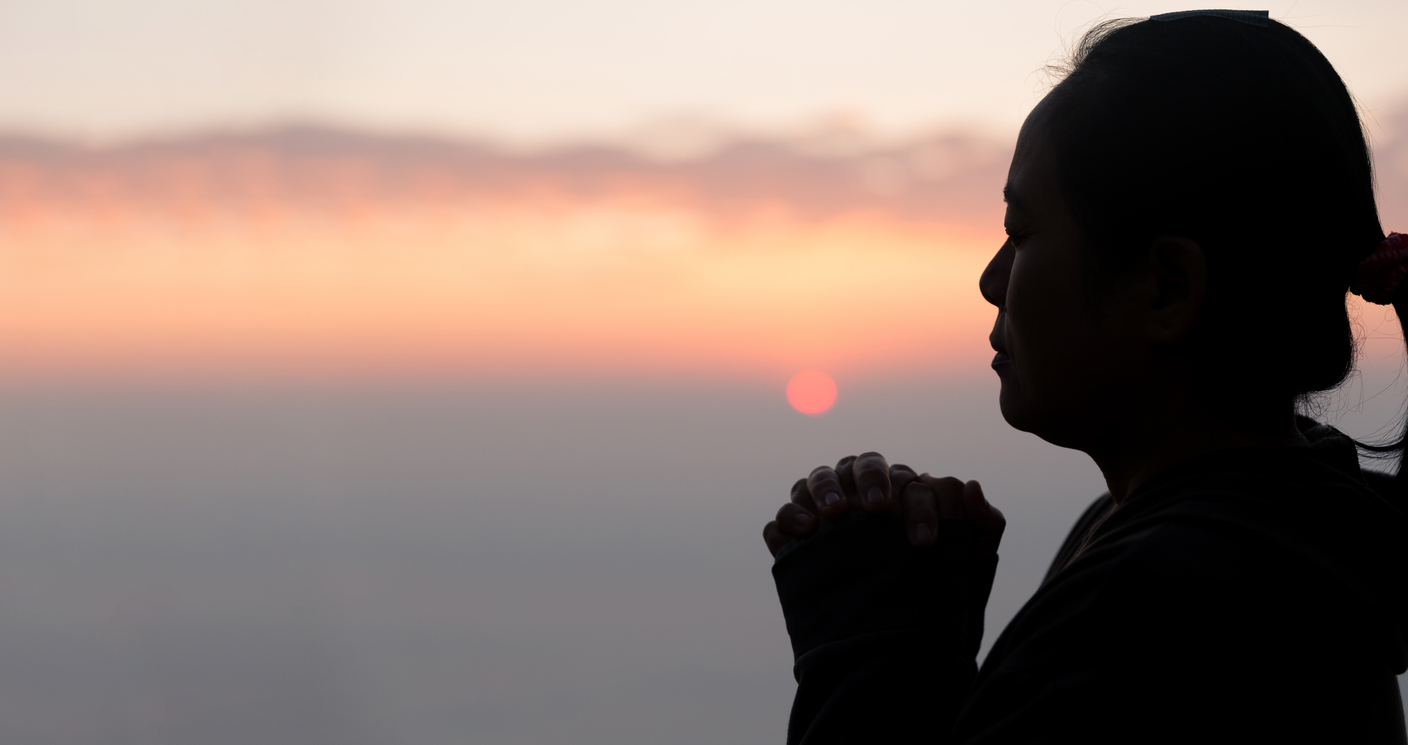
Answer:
(1229, 144)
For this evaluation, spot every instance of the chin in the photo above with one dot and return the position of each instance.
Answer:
(1055, 426)
(1014, 410)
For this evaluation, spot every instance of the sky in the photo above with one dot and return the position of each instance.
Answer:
(413, 186)
(416, 371)
(538, 72)
(315, 252)
(499, 189)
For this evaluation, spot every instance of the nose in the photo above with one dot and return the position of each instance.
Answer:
(993, 283)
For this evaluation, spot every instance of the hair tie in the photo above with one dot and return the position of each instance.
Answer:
(1378, 277)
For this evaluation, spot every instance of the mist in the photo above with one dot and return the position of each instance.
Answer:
(378, 565)
(452, 563)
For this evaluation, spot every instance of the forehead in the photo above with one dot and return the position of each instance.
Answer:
(1032, 174)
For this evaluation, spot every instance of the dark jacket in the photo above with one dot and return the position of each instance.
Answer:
(1254, 595)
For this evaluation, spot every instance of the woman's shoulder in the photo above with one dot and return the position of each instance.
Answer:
(1080, 532)
(1219, 567)
(1257, 539)
(1287, 508)
(1290, 494)
(1242, 516)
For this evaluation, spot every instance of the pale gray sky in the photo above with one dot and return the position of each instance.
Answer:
(541, 71)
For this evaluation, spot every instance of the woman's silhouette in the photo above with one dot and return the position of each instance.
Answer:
(1186, 211)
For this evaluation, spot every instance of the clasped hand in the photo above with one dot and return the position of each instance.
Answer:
(868, 483)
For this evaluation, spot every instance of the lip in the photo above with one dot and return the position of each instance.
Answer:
(995, 340)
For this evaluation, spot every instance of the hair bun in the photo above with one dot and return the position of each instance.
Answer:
(1378, 277)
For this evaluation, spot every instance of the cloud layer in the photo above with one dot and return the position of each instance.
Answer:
(308, 250)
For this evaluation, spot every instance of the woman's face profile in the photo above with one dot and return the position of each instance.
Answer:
(1060, 360)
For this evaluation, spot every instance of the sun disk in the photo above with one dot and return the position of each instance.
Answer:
(811, 392)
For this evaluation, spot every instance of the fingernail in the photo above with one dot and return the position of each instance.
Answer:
(801, 520)
(830, 499)
(874, 495)
(921, 533)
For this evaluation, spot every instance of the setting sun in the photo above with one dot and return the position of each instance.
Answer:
(811, 392)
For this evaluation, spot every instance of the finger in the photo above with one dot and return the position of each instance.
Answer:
(949, 492)
(848, 480)
(825, 489)
(921, 514)
(900, 477)
(794, 521)
(872, 475)
(802, 498)
(774, 538)
(988, 520)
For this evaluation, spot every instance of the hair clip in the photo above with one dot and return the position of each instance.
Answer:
(1253, 17)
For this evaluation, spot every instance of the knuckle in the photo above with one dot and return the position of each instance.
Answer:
(871, 468)
(872, 465)
(900, 477)
(917, 490)
(949, 483)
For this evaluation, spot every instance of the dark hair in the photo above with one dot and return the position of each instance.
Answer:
(1242, 137)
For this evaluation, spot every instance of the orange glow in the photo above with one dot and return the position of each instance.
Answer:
(811, 392)
(249, 261)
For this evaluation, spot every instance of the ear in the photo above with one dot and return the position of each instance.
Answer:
(1178, 274)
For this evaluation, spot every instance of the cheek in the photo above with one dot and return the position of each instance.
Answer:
(1034, 308)
(1049, 331)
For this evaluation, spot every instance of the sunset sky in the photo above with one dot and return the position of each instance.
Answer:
(301, 252)
(541, 188)
(535, 188)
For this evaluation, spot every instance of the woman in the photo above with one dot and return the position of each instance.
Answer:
(1186, 211)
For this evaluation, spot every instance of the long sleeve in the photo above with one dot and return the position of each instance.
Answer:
(884, 635)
